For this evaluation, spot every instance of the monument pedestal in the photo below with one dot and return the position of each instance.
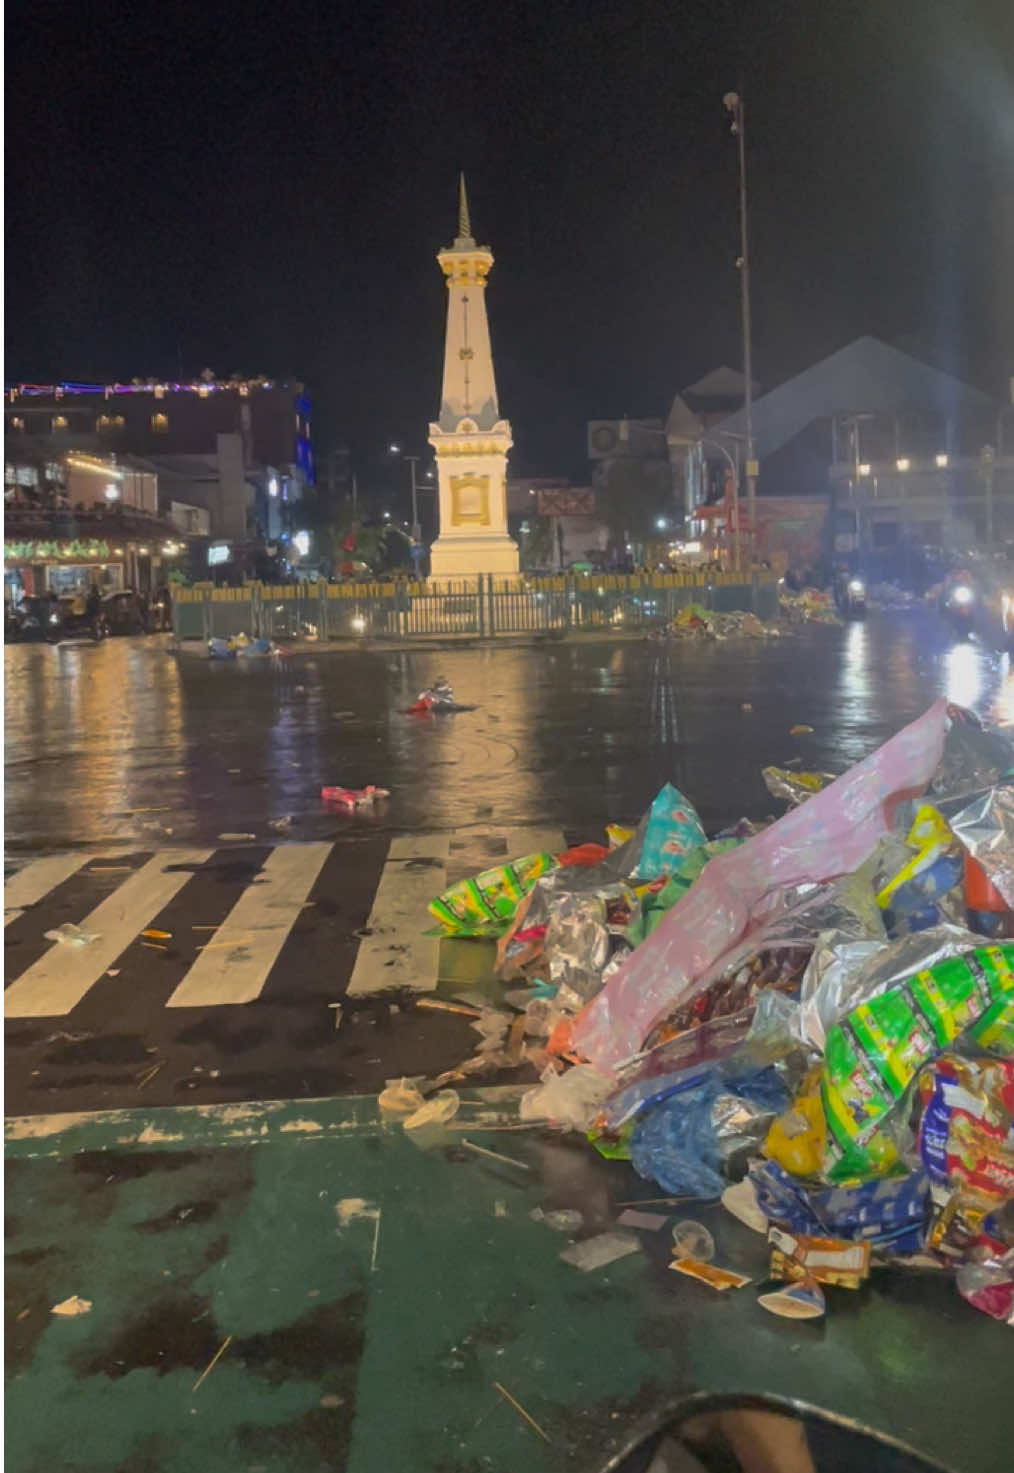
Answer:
(463, 557)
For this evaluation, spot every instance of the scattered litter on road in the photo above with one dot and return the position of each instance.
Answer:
(336, 1008)
(157, 935)
(213, 1362)
(709, 1273)
(280, 825)
(494, 1155)
(154, 946)
(437, 1005)
(70, 1308)
(801, 729)
(354, 797)
(354, 1209)
(376, 1243)
(234, 838)
(71, 935)
(692, 1240)
(801, 1301)
(438, 1110)
(147, 1075)
(648, 1222)
(24, 1314)
(521, 1411)
(560, 1219)
(593, 1253)
(61, 1036)
(399, 1101)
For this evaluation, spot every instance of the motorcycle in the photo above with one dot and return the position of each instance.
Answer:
(850, 596)
(33, 620)
(960, 609)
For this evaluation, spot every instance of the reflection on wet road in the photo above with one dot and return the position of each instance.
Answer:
(122, 742)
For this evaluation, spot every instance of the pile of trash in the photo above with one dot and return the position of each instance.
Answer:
(696, 622)
(240, 646)
(811, 606)
(811, 1020)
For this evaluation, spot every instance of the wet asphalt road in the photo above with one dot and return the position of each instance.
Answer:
(117, 743)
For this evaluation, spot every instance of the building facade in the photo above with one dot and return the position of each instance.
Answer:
(240, 449)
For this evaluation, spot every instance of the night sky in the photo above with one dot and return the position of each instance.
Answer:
(263, 188)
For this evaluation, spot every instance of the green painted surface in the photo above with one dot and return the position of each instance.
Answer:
(337, 1363)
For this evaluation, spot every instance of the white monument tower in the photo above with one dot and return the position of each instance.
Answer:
(470, 438)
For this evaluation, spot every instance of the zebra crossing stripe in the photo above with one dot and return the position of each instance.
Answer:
(36, 880)
(58, 981)
(235, 964)
(396, 953)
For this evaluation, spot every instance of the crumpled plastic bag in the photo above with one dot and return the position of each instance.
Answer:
(984, 824)
(794, 787)
(577, 943)
(682, 1143)
(829, 835)
(573, 1099)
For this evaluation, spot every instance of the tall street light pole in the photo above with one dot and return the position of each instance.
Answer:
(413, 460)
(734, 105)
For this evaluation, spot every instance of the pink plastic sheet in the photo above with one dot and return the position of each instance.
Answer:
(830, 834)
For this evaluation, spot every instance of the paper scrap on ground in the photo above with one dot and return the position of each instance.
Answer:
(69, 1308)
(649, 1221)
(596, 1252)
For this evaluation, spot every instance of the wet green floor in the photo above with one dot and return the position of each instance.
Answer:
(368, 1344)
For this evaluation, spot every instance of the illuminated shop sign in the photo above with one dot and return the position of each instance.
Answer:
(77, 550)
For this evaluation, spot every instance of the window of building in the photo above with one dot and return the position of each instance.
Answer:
(16, 422)
(160, 424)
(58, 422)
(160, 391)
(109, 422)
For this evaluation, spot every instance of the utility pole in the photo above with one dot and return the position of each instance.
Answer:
(734, 105)
(416, 529)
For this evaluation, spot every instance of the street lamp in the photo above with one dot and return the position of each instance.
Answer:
(734, 106)
(413, 461)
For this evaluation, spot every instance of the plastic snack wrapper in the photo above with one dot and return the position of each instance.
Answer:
(844, 972)
(832, 833)
(966, 1129)
(485, 905)
(873, 1055)
(672, 831)
(891, 1212)
(796, 1256)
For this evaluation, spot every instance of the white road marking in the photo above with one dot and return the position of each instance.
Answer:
(397, 954)
(58, 981)
(34, 882)
(235, 966)
(470, 859)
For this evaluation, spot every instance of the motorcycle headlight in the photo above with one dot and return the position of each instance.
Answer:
(962, 595)
(857, 586)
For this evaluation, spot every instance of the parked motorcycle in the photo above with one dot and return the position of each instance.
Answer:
(850, 597)
(32, 621)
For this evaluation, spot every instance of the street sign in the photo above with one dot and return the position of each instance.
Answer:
(573, 502)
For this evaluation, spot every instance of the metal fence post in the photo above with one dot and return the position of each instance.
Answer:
(205, 617)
